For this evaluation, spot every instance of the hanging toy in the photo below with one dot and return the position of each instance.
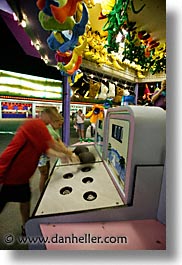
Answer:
(53, 43)
(63, 57)
(76, 66)
(107, 6)
(49, 22)
(76, 52)
(96, 113)
(119, 94)
(111, 93)
(68, 10)
(103, 93)
(147, 93)
(90, 3)
(78, 30)
(44, 5)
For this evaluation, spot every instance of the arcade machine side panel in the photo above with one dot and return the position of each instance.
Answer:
(99, 134)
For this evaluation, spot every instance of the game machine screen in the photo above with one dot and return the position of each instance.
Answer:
(117, 157)
(120, 129)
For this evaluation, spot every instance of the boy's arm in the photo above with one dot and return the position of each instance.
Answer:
(59, 149)
(73, 157)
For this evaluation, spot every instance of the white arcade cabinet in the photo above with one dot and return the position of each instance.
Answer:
(125, 181)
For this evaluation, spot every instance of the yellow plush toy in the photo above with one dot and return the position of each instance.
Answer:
(96, 113)
(94, 89)
(89, 3)
(107, 6)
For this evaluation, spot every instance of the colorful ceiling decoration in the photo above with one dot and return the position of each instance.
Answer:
(64, 39)
(130, 34)
(138, 46)
(124, 42)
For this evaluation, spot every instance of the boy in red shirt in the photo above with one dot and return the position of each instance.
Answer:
(19, 160)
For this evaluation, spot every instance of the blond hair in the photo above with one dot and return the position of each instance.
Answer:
(51, 112)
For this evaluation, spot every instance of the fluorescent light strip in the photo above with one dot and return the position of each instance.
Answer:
(37, 93)
(29, 84)
(29, 77)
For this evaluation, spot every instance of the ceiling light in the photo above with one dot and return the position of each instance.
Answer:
(15, 17)
(23, 23)
(23, 20)
(37, 45)
(46, 59)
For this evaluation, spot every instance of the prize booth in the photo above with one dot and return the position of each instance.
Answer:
(123, 186)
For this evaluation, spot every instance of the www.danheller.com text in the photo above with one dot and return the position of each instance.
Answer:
(86, 238)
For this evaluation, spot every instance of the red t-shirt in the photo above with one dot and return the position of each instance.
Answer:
(19, 160)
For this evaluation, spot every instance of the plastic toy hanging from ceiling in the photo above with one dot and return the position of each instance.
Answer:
(57, 16)
(139, 47)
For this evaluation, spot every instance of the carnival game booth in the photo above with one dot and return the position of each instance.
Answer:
(121, 185)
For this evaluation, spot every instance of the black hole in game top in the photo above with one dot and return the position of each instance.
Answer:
(66, 190)
(90, 195)
(67, 175)
(87, 180)
(86, 169)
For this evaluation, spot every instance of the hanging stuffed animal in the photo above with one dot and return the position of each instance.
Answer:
(111, 93)
(49, 23)
(75, 57)
(53, 43)
(44, 5)
(80, 87)
(56, 39)
(93, 90)
(78, 30)
(119, 94)
(96, 113)
(107, 6)
(147, 93)
(103, 93)
(115, 62)
(64, 58)
(90, 3)
(61, 13)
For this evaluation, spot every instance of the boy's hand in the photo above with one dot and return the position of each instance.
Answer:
(74, 158)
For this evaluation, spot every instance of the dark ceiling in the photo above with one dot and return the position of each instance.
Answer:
(17, 54)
